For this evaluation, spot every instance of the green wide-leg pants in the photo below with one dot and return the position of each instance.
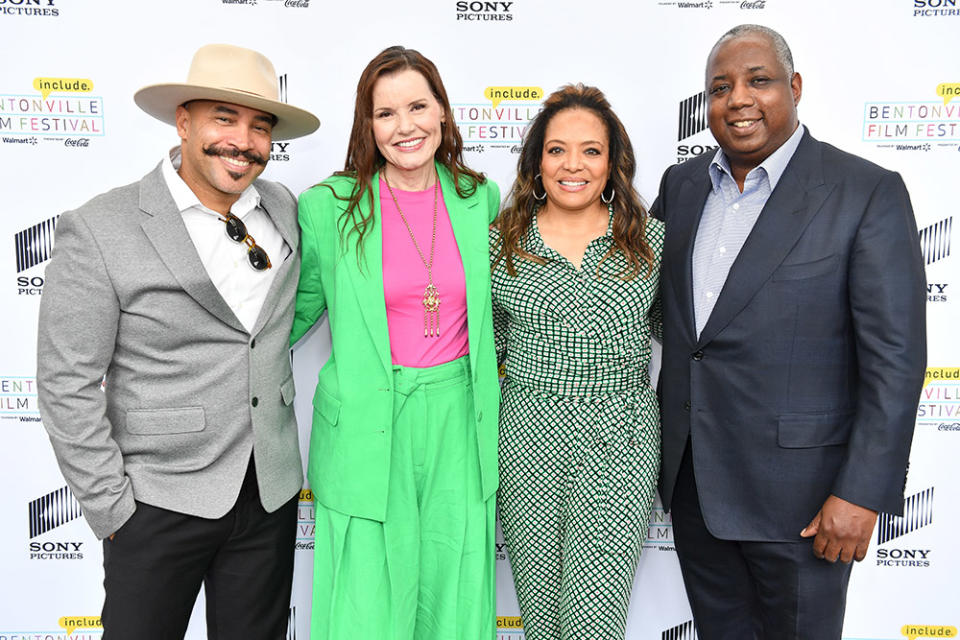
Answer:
(427, 571)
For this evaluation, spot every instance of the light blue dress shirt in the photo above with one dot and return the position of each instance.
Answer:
(728, 218)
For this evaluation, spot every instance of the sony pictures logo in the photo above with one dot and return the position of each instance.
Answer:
(931, 8)
(917, 513)
(935, 246)
(280, 151)
(291, 625)
(481, 11)
(935, 240)
(32, 247)
(47, 513)
(685, 631)
(38, 8)
(692, 120)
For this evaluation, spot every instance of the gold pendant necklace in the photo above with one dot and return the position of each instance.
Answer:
(431, 295)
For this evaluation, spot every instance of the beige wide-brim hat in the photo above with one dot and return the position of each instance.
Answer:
(227, 73)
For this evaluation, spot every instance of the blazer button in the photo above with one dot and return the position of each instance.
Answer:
(253, 342)
(255, 401)
(686, 406)
(697, 355)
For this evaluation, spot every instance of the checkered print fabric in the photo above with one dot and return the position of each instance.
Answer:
(579, 433)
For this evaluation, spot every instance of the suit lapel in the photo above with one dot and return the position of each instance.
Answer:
(165, 230)
(368, 281)
(290, 232)
(470, 246)
(797, 198)
(678, 253)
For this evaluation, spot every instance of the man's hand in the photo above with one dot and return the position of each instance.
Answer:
(842, 530)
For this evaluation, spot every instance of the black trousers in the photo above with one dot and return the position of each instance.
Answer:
(743, 590)
(156, 562)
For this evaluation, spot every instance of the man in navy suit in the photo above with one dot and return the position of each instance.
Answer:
(793, 355)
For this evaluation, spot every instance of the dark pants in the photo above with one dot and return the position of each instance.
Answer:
(156, 562)
(741, 590)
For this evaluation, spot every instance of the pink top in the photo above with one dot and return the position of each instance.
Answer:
(405, 278)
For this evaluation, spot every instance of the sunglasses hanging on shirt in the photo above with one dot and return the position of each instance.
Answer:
(237, 231)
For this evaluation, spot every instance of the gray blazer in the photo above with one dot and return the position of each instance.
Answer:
(149, 386)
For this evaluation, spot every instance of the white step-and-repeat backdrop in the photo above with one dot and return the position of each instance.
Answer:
(878, 81)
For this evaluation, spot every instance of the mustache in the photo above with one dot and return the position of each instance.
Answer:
(251, 156)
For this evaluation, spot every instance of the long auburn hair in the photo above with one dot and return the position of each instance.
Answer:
(363, 156)
(629, 217)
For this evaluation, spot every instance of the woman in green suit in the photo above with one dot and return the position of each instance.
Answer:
(403, 447)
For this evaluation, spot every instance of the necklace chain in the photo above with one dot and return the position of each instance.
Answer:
(431, 295)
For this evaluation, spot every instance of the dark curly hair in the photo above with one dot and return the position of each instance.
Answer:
(630, 216)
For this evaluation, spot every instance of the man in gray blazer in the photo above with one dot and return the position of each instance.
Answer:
(163, 365)
(793, 354)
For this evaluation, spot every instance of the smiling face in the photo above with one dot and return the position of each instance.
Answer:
(224, 147)
(575, 162)
(752, 100)
(407, 126)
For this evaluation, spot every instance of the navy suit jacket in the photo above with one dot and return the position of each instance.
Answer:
(806, 378)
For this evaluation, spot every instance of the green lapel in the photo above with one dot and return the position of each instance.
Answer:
(471, 236)
(368, 281)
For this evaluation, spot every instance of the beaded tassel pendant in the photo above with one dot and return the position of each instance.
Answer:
(431, 311)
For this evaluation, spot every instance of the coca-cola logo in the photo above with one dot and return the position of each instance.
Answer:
(753, 4)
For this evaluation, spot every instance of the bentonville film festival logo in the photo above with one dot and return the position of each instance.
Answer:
(499, 124)
(74, 628)
(18, 399)
(659, 529)
(509, 627)
(306, 515)
(914, 631)
(939, 408)
(915, 126)
(62, 112)
(917, 513)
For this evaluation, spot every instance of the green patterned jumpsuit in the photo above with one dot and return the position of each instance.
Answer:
(579, 432)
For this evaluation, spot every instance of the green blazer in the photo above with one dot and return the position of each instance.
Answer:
(349, 461)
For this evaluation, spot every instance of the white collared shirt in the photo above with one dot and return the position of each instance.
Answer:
(242, 287)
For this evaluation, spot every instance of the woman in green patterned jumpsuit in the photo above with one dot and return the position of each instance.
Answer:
(576, 265)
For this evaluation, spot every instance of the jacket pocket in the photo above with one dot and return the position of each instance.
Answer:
(804, 270)
(288, 391)
(800, 431)
(152, 422)
(326, 405)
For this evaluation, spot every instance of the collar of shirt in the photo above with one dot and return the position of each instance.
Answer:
(185, 198)
(535, 245)
(773, 166)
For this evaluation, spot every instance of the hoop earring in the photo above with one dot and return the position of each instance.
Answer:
(613, 194)
(542, 196)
